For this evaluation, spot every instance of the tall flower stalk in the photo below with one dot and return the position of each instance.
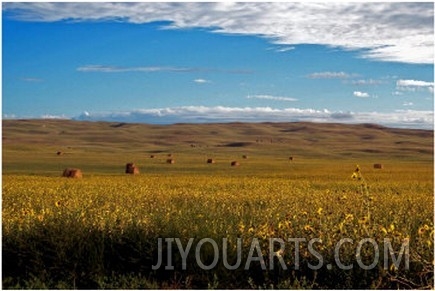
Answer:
(367, 198)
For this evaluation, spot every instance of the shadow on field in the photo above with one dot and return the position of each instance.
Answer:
(48, 257)
(76, 257)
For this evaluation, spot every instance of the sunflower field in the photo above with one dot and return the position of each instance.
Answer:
(326, 226)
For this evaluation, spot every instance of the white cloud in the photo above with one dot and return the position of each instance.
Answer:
(199, 114)
(31, 79)
(329, 75)
(361, 94)
(414, 85)
(52, 116)
(153, 69)
(384, 31)
(201, 81)
(283, 49)
(408, 104)
(9, 116)
(115, 69)
(271, 97)
(368, 82)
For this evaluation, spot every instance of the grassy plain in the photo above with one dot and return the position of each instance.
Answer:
(102, 231)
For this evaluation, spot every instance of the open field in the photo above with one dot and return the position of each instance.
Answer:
(102, 231)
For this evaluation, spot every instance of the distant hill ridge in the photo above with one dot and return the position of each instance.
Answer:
(307, 137)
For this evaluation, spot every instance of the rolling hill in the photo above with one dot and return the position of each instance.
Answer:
(32, 144)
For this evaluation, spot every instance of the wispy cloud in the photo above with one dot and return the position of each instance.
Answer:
(31, 79)
(52, 116)
(196, 114)
(282, 49)
(330, 75)
(9, 116)
(361, 94)
(271, 97)
(368, 82)
(387, 31)
(201, 81)
(115, 69)
(151, 69)
(414, 85)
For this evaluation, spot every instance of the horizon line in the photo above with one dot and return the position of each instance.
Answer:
(370, 124)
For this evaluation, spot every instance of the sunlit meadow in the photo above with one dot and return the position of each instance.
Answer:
(102, 231)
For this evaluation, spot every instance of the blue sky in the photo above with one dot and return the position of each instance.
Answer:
(217, 62)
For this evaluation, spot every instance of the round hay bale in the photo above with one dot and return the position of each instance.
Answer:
(245, 156)
(210, 161)
(152, 156)
(169, 155)
(170, 161)
(235, 164)
(59, 153)
(290, 158)
(378, 166)
(131, 168)
(72, 173)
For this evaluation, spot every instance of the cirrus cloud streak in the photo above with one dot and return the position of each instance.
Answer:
(329, 75)
(271, 97)
(414, 85)
(114, 69)
(153, 69)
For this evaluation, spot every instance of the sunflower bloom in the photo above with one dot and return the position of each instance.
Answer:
(421, 230)
(363, 220)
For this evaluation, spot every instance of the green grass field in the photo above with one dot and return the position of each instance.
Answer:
(102, 231)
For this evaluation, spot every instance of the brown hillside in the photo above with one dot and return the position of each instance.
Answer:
(32, 146)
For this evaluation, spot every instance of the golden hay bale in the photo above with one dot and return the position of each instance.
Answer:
(72, 173)
(378, 166)
(152, 156)
(210, 161)
(170, 161)
(245, 156)
(59, 153)
(290, 158)
(169, 155)
(131, 168)
(235, 164)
